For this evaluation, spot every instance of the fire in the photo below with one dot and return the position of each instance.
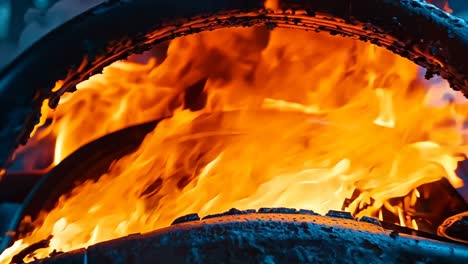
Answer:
(274, 119)
(107, 114)
(443, 4)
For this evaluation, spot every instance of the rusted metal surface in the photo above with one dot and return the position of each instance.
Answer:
(115, 29)
(274, 236)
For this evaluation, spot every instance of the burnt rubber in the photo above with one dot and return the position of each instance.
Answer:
(268, 235)
(117, 28)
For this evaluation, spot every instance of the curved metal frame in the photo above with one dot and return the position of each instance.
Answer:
(115, 29)
(269, 235)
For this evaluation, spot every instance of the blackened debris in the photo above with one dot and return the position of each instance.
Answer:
(18, 258)
(232, 211)
(370, 220)
(394, 234)
(307, 212)
(280, 210)
(186, 218)
(340, 214)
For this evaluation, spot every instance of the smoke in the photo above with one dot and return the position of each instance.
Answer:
(5, 10)
(40, 22)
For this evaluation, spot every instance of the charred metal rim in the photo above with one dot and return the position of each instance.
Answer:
(118, 28)
(281, 235)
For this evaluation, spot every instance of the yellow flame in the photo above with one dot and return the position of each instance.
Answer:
(287, 118)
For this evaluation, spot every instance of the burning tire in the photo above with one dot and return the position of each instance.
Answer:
(198, 141)
(412, 29)
(270, 235)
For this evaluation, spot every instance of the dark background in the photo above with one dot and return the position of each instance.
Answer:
(22, 22)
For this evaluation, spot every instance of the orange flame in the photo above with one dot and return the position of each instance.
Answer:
(272, 4)
(282, 118)
(443, 4)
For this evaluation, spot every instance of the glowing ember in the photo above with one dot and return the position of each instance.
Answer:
(275, 119)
